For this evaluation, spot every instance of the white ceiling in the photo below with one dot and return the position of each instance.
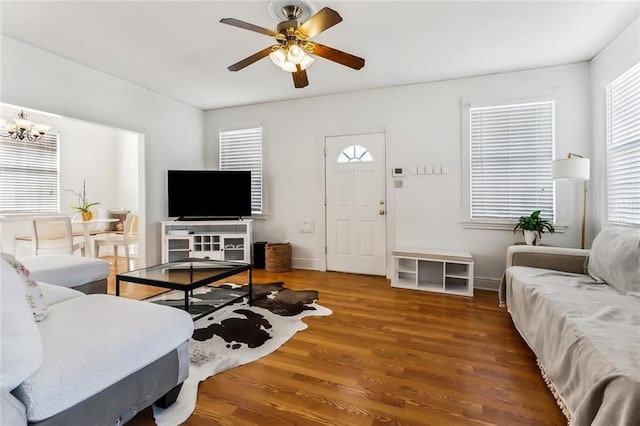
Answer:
(180, 49)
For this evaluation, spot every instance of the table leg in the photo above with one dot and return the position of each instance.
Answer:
(250, 286)
(88, 250)
(186, 301)
(117, 286)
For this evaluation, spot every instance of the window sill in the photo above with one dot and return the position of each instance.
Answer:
(261, 216)
(501, 226)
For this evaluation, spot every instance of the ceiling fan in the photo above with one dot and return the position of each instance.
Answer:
(294, 47)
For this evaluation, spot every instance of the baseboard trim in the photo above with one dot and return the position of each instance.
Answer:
(312, 264)
(486, 283)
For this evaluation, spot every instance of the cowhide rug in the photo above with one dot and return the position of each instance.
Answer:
(237, 334)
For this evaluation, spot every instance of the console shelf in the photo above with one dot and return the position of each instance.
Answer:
(215, 239)
(433, 270)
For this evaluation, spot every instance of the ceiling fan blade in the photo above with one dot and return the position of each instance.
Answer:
(247, 26)
(324, 19)
(250, 59)
(300, 79)
(338, 56)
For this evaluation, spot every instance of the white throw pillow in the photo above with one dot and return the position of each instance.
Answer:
(20, 342)
(32, 290)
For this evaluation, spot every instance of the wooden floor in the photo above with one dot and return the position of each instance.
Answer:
(385, 356)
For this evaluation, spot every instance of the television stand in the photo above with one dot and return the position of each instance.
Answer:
(203, 218)
(207, 238)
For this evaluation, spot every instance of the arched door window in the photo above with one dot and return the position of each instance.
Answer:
(355, 154)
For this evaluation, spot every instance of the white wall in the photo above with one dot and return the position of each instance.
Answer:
(619, 56)
(423, 125)
(173, 132)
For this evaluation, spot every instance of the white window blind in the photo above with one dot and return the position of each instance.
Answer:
(242, 150)
(511, 153)
(623, 148)
(29, 175)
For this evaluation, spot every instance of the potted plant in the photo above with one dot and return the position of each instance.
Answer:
(533, 226)
(83, 203)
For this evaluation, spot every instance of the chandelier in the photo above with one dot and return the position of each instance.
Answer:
(22, 128)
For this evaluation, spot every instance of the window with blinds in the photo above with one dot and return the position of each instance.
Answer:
(242, 150)
(29, 175)
(510, 161)
(623, 148)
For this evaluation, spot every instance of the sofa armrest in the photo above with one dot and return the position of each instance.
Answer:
(557, 258)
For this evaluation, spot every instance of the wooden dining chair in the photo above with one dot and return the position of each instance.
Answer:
(128, 237)
(53, 235)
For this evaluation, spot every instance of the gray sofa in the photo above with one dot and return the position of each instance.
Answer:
(579, 312)
(93, 360)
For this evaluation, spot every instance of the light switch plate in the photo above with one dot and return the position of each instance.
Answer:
(305, 226)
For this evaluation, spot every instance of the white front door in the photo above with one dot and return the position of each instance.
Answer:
(355, 204)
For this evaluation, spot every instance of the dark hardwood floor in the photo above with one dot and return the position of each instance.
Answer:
(385, 356)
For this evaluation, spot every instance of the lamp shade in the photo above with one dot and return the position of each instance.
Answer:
(571, 168)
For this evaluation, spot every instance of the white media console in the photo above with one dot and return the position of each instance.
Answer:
(441, 271)
(209, 239)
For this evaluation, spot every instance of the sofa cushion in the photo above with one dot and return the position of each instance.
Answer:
(55, 294)
(21, 347)
(615, 259)
(32, 290)
(94, 341)
(65, 269)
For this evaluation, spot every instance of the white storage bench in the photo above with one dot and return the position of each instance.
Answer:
(440, 271)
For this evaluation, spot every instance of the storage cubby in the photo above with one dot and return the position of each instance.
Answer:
(215, 239)
(433, 270)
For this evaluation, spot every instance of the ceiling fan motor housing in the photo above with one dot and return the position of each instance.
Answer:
(292, 12)
(287, 28)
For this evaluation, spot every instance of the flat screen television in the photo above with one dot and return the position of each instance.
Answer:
(202, 194)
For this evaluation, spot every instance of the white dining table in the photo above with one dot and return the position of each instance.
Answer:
(86, 229)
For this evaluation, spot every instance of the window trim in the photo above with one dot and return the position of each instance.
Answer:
(466, 104)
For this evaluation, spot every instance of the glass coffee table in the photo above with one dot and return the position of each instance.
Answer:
(189, 274)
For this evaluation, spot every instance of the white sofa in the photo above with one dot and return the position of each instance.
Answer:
(94, 359)
(85, 274)
(581, 317)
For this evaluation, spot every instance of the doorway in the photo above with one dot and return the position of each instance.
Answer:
(355, 205)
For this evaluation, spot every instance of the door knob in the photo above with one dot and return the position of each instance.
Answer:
(380, 212)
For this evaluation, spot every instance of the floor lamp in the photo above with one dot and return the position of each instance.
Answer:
(574, 167)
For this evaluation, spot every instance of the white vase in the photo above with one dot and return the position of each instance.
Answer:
(530, 237)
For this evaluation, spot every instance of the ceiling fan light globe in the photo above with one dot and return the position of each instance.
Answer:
(306, 61)
(295, 54)
(278, 57)
(289, 67)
